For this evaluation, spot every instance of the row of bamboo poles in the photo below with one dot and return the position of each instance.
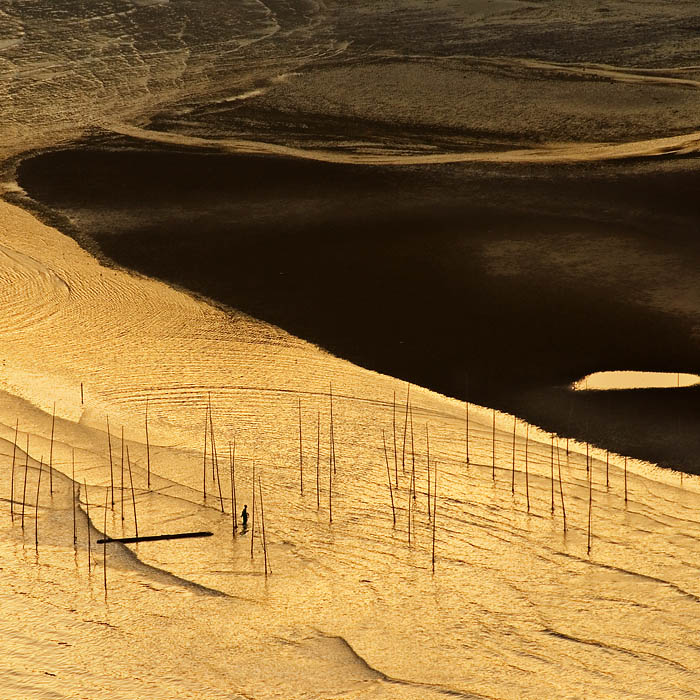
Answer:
(211, 454)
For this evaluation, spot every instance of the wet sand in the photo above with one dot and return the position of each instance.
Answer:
(518, 278)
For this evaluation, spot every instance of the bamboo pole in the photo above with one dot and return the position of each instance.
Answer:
(111, 466)
(427, 451)
(413, 458)
(512, 471)
(232, 470)
(396, 461)
(388, 475)
(410, 500)
(493, 446)
(148, 452)
(75, 523)
(466, 414)
(262, 522)
(527, 472)
(36, 505)
(561, 488)
(625, 480)
(204, 461)
(215, 457)
(104, 546)
(252, 517)
(81, 394)
(121, 480)
(318, 460)
(133, 495)
(332, 432)
(218, 481)
(12, 481)
(590, 506)
(434, 510)
(405, 432)
(212, 445)
(301, 459)
(87, 515)
(587, 457)
(53, 425)
(551, 470)
(330, 462)
(24, 488)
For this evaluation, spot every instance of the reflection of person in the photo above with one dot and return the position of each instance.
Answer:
(244, 516)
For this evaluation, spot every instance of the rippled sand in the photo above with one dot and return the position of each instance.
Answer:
(515, 607)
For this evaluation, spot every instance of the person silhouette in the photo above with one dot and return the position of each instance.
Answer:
(244, 517)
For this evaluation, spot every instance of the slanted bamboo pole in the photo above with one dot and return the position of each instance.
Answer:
(12, 480)
(104, 545)
(405, 432)
(625, 480)
(262, 523)
(204, 461)
(218, 481)
(82, 396)
(75, 522)
(527, 472)
(215, 457)
(388, 475)
(318, 460)
(252, 515)
(427, 451)
(396, 461)
(53, 425)
(551, 470)
(133, 494)
(36, 505)
(87, 515)
(301, 458)
(148, 452)
(213, 446)
(590, 506)
(413, 459)
(214, 453)
(232, 469)
(330, 489)
(561, 488)
(24, 488)
(111, 466)
(435, 470)
(410, 500)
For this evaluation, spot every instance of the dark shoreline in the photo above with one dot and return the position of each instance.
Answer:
(429, 274)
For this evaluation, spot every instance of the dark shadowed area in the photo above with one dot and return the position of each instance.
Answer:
(520, 278)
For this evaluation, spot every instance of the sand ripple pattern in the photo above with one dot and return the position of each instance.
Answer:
(516, 607)
(30, 293)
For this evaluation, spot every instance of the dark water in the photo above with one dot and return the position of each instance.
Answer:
(513, 281)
